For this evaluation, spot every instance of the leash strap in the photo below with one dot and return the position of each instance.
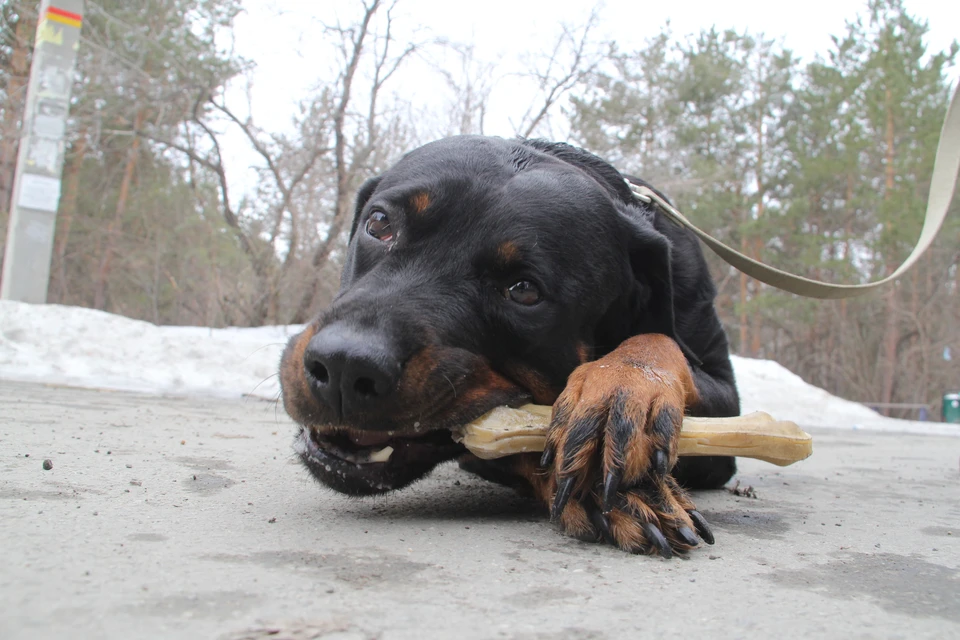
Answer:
(942, 185)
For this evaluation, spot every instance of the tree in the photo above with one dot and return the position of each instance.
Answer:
(359, 149)
(699, 118)
(18, 21)
(137, 68)
(822, 170)
(863, 135)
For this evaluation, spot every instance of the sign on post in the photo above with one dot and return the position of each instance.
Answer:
(36, 186)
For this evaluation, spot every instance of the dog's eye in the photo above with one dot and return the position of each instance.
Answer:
(523, 292)
(378, 226)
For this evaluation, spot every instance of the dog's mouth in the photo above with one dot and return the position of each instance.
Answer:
(367, 448)
(365, 463)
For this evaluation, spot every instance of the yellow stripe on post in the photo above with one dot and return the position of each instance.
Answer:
(64, 17)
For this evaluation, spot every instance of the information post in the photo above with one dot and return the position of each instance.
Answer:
(36, 186)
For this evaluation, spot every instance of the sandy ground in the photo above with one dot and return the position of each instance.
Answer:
(189, 518)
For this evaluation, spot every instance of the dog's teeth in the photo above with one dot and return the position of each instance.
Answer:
(380, 456)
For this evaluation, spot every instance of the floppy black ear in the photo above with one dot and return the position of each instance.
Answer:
(649, 250)
(363, 195)
(652, 266)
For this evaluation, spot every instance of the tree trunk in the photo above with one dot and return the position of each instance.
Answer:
(68, 208)
(757, 318)
(891, 329)
(16, 91)
(744, 344)
(113, 230)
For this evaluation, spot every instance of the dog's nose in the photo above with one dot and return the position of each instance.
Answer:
(350, 370)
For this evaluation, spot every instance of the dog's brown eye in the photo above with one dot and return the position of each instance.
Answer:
(524, 292)
(378, 226)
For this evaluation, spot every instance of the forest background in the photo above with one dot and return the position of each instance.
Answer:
(819, 167)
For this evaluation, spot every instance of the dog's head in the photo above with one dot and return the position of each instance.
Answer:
(480, 273)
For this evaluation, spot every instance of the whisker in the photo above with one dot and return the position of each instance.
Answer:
(450, 383)
(262, 347)
(272, 375)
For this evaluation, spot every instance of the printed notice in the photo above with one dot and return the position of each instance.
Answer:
(39, 192)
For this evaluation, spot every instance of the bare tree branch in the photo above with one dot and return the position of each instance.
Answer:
(553, 86)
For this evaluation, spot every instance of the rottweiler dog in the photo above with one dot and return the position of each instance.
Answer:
(484, 272)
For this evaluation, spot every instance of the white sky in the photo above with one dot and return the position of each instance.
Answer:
(282, 36)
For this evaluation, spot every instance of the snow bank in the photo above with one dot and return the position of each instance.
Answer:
(87, 348)
(765, 385)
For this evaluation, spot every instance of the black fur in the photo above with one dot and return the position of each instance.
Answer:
(608, 267)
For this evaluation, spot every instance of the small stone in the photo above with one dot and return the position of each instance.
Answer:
(47, 464)
(183, 442)
(129, 466)
(272, 520)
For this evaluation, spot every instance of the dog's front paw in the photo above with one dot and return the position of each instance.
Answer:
(611, 445)
(653, 517)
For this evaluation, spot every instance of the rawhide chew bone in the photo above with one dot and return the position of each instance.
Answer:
(505, 431)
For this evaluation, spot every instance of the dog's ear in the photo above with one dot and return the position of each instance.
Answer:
(594, 166)
(652, 266)
(363, 195)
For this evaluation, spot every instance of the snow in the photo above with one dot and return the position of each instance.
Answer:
(75, 346)
(88, 348)
(765, 385)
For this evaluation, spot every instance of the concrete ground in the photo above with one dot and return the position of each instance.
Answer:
(189, 518)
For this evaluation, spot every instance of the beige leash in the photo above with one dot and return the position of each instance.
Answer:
(942, 185)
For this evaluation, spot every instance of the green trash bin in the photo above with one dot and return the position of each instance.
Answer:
(951, 408)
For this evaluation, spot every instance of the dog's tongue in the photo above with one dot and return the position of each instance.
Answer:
(370, 438)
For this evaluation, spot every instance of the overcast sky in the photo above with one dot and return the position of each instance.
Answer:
(281, 36)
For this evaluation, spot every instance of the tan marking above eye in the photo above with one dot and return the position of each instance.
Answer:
(508, 252)
(420, 201)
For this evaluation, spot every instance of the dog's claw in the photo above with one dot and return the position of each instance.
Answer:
(655, 537)
(610, 486)
(564, 489)
(688, 536)
(701, 524)
(602, 524)
(660, 462)
(547, 458)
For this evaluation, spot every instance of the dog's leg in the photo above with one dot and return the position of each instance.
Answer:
(612, 443)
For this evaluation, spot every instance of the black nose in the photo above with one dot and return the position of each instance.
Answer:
(350, 370)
